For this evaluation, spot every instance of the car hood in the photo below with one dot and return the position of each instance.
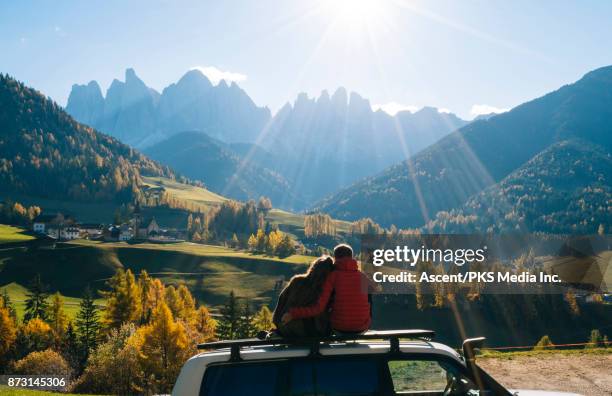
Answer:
(531, 392)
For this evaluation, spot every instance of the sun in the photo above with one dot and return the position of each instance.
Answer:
(354, 14)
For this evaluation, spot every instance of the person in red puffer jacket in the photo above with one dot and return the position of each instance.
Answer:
(350, 306)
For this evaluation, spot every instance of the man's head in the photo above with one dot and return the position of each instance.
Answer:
(343, 250)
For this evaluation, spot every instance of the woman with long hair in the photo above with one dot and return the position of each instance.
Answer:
(303, 290)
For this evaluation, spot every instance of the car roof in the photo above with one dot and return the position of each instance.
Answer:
(266, 352)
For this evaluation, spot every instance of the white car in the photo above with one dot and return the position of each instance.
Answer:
(375, 363)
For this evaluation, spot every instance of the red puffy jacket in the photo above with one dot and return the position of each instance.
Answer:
(350, 309)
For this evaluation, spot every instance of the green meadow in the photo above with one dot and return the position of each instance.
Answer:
(211, 272)
(10, 234)
(18, 295)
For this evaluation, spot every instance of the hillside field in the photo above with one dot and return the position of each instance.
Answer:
(9, 234)
(17, 293)
(211, 272)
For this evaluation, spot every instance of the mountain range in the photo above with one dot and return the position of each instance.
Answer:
(318, 145)
(554, 150)
(140, 116)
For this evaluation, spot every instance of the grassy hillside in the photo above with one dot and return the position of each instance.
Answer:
(200, 157)
(186, 192)
(18, 295)
(211, 272)
(10, 234)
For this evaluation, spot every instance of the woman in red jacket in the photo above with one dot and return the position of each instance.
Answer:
(350, 307)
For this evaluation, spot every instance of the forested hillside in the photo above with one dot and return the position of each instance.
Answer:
(448, 173)
(44, 152)
(198, 156)
(563, 190)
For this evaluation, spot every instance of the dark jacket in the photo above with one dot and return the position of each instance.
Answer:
(350, 308)
(299, 293)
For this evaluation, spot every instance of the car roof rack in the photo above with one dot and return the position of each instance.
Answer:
(393, 336)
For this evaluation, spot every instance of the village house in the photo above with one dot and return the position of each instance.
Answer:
(57, 226)
(91, 230)
(146, 229)
(40, 223)
(125, 232)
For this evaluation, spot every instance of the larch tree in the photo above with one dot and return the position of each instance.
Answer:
(122, 300)
(56, 316)
(205, 324)
(263, 319)
(8, 331)
(188, 305)
(145, 283)
(163, 347)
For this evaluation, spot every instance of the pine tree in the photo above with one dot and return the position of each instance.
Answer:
(36, 301)
(245, 325)
(70, 347)
(228, 327)
(87, 322)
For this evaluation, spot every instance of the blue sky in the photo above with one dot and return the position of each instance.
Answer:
(448, 54)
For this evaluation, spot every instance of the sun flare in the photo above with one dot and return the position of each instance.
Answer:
(354, 14)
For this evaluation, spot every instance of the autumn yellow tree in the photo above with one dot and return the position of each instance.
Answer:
(274, 240)
(145, 283)
(56, 316)
(188, 305)
(204, 324)
(252, 243)
(163, 347)
(122, 300)
(8, 331)
(35, 335)
(263, 319)
(173, 301)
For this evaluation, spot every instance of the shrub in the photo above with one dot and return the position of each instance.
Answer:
(595, 340)
(544, 343)
(112, 367)
(46, 362)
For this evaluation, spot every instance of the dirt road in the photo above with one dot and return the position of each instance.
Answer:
(586, 374)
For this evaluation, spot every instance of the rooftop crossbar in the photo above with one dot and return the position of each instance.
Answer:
(392, 335)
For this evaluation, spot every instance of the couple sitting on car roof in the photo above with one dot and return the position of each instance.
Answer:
(331, 296)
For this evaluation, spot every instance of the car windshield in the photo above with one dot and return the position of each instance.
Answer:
(337, 376)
